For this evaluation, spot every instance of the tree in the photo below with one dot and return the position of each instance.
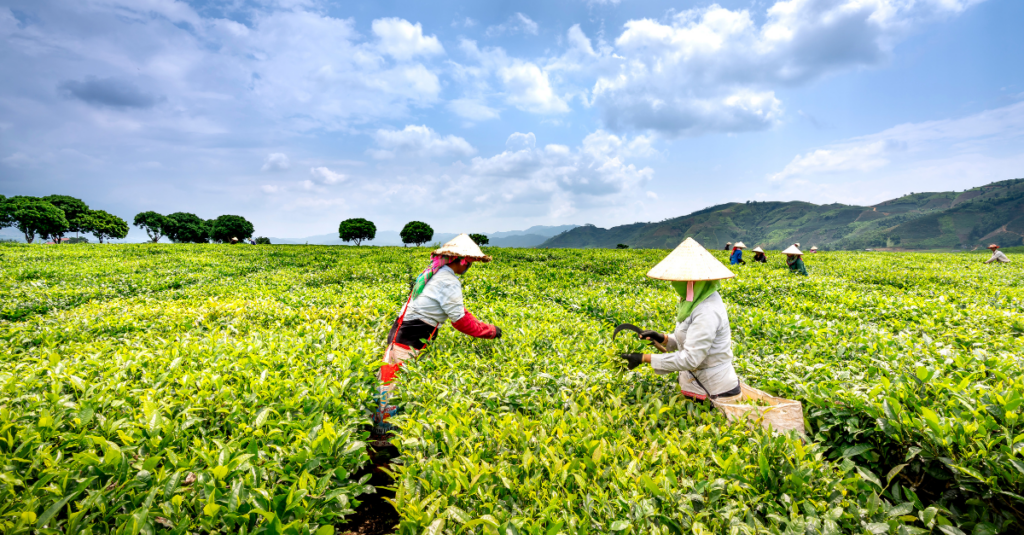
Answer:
(416, 232)
(34, 216)
(357, 230)
(480, 239)
(622, 246)
(155, 224)
(262, 241)
(104, 225)
(184, 227)
(226, 227)
(73, 209)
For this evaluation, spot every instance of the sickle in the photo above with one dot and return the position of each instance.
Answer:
(637, 330)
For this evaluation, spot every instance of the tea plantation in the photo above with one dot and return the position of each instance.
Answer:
(227, 389)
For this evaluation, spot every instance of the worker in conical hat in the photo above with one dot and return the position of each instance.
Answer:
(700, 346)
(728, 246)
(759, 255)
(436, 297)
(997, 255)
(794, 260)
(737, 254)
(814, 249)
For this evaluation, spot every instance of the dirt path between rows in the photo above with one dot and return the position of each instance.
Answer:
(375, 516)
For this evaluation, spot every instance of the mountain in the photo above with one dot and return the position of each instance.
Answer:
(530, 237)
(537, 230)
(942, 220)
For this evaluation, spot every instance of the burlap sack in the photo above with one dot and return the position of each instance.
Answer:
(780, 415)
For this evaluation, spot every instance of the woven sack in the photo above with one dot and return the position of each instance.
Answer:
(781, 414)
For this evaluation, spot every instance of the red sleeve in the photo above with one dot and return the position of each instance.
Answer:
(474, 327)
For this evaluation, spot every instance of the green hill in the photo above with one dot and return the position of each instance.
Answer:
(942, 220)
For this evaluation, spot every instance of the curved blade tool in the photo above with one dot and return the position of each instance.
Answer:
(637, 330)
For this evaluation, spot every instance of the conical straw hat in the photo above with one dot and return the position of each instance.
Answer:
(739, 245)
(690, 262)
(757, 250)
(462, 246)
(814, 248)
(792, 250)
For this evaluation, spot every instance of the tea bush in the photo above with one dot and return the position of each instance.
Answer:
(215, 389)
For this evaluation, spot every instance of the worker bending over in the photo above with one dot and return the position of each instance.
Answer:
(700, 347)
(436, 297)
(997, 255)
(759, 255)
(794, 260)
(737, 254)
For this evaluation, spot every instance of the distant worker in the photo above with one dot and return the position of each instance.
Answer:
(728, 246)
(793, 260)
(814, 249)
(700, 346)
(737, 254)
(436, 297)
(797, 245)
(252, 241)
(997, 255)
(234, 241)
(759, 255)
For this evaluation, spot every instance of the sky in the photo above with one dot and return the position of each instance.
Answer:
(489, 116)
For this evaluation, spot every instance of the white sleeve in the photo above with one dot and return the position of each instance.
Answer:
(451, 301)
(699, 338)
(671, 343)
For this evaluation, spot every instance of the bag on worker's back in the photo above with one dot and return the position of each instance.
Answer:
(780, 413)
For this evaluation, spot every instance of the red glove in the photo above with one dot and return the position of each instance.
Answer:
(476, 328)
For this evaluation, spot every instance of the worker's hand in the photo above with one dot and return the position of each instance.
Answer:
(497, 332)
(633, 359)
(653, 336)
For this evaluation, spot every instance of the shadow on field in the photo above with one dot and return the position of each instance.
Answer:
(375, 516)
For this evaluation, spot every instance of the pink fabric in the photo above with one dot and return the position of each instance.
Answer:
(474, 327)
(689, 290)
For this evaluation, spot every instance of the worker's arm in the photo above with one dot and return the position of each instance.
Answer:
(468, 324)
(462, 320)
(699, 337)
(990, 260)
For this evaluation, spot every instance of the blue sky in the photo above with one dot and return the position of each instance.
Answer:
(489, 116)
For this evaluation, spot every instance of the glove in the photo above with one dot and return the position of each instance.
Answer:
(633, 359)
(497, 332)
(652, 335)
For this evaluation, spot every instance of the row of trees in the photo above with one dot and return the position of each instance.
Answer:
(183, 227)
(417, 233)
(53, 216)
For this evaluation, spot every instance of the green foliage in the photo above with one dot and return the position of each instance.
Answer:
(104, 225)
(415, 232)
(155, 225)
(262, 240)
(74, 210)
(479, 239)
(184, 227)
(190, 388)
(622, 246)
(357, 229)
(34, 217)
(226, 227)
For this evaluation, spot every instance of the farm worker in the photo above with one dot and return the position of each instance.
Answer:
(234, 241)
(737, 254)
(700, 347)
(728, 246)
(759, 255)
(436, 297)
(793, 260)
(997, 255)
(814, 249)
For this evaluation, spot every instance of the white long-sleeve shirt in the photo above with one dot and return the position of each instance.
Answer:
(441, 299)
(997, 256)
(701, 344)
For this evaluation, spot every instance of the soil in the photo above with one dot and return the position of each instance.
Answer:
(375, 516)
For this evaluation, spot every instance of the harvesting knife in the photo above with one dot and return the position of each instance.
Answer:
(637, 330)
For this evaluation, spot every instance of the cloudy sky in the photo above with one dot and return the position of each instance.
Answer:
(486, 116)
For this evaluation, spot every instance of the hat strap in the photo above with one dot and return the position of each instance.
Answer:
(689, 290)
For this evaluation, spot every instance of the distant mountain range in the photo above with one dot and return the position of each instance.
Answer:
(530, 237)
(945, 220)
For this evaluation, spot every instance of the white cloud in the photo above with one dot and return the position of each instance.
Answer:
(403, 40)
(517, 23)
(529, 89)
(270, 189)
(465, 23)
(276, 162)
(714, 69)
(519, 141)
(931, 156)
(421, 141)
(472, 109)
(327, 176)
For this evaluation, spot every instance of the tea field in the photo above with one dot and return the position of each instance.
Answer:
(227, 389)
